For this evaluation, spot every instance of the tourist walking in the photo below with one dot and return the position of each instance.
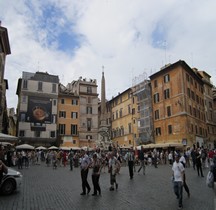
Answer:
(178, 174)
(183, 161)
(84, 165)
(193, 157)
(96, 168)
(130, 158)
(142, 160)
(70, 158)
(113, 168)
(199, 162)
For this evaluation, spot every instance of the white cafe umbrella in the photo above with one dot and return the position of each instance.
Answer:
(6, 137)
(5, 143)
(53, 147)
(65, 148)
(41, 148)
(24, 146)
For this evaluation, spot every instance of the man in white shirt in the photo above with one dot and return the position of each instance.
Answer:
(130, 159)
(178, 175)
(85, 163)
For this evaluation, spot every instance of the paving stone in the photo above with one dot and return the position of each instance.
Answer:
(46, 189)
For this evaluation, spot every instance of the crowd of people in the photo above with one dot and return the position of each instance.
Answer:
(111, 161)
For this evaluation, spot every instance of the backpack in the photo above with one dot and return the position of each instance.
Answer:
(210, 179)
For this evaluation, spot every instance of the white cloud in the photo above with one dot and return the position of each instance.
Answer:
(125, 36)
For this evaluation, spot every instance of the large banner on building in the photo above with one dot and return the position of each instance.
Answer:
(39, 110)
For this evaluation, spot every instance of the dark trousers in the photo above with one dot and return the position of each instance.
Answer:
(95, 181)
(85, 184)
(142, 166)
(185, 185)
(199, 169)
(19, 163)
(130, 166)
(178, 188)
(112, 178)
(71, 165)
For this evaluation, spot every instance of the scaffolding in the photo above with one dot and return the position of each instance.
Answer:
(142, 91)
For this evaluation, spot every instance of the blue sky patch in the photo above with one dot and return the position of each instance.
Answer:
(58, 33)
(159, 36)
(68, 42)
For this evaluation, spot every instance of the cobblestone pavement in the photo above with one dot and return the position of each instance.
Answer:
(46, 189)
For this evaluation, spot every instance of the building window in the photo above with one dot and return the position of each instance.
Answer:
(122, 131)
(117, 114)
(52, 134)
(158, 131)
(25, 84)
(197, 99)
(157, 116)
(54, 102)
(169, 129)
(155, 83)
(89, 89)
(54, 88)
(192, 95)
(166, 78)
(40, 86)
(73, 129)
(22, 117)
(88, 137)
(37, 134)
(133, 111)
(54, 118)
(169, 111)
(120, 112)
(192, 128)
(190, 108)
(62, 101)
(188, 92)
(200, 131)
(187, 77)
(166, 94)
(21, 133)
(129, 109)
(89, 124)
(74, 141)
(74, 115)
(74, 102)
(89, 100)
(210, 104)
(24, 99)
(129, 95)
(156, 97)
(191, 80)
(89, 110)
(62, 114)
(196, 130)
(61, 129)
(129, 128)
(194, 112)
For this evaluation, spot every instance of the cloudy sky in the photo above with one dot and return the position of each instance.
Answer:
(130, 38)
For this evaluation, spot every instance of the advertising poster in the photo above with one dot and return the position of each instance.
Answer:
(39, 110)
